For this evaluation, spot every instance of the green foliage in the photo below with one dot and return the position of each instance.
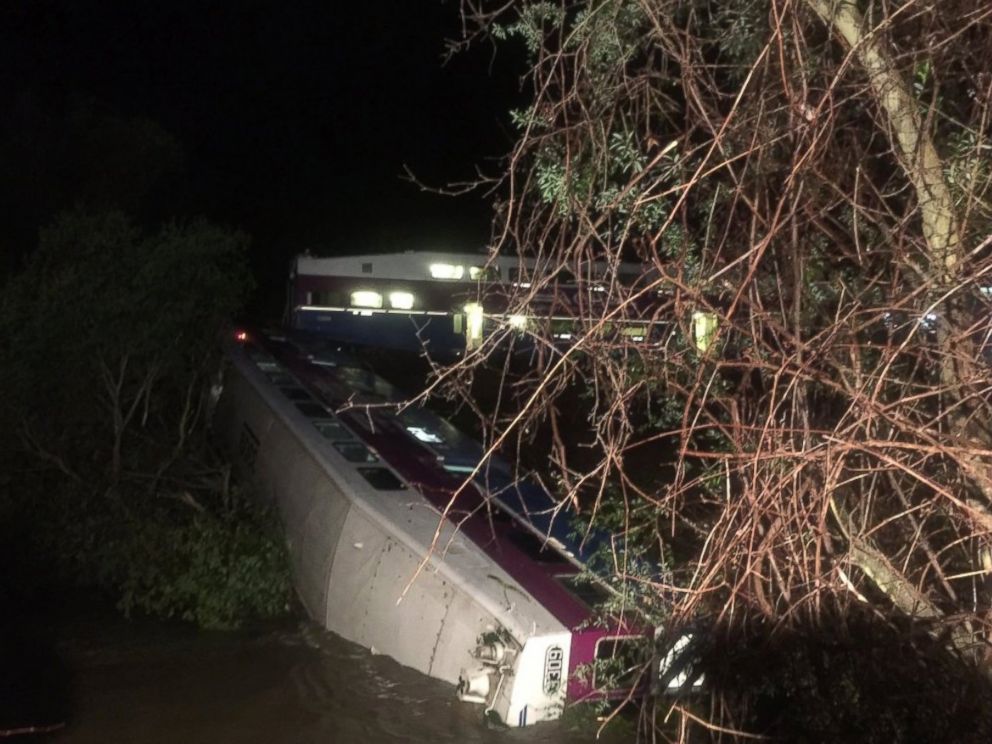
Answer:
(214, 567)
(106, 319)
(582, 718)
(745, 151)
(535, 20)
(741, 29)
(586, 174)
(630, 562)
(611, 33)
(110, 342)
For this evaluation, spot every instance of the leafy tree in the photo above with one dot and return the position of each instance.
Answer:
(814, 177)
(110, 350)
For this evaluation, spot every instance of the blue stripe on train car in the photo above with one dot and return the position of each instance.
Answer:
(398, 331)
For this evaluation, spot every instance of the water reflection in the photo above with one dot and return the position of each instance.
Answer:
(297, 684)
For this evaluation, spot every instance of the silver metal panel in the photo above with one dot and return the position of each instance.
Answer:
(463, 623)
(322, 530)
(352, 576)
(287, 471)
(430, 625)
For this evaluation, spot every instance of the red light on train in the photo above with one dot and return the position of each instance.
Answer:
(241, 336)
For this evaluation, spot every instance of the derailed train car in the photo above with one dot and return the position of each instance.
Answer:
(391, 549)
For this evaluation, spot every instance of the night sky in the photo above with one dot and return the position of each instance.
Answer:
(290, 120)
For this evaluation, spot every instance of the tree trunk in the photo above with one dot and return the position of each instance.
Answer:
(918, 157)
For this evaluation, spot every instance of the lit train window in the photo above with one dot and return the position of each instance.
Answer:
(484, 273)
(446, 271)
(355, 452)
(425, 435)
(382, 479)
(366, 298)
(401, 300)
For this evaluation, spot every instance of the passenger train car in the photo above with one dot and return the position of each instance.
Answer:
(474, 581)
(448, 302)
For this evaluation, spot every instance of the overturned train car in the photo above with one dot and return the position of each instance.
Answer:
(392, 550)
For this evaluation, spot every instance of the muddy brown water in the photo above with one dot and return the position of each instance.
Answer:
(153, 683)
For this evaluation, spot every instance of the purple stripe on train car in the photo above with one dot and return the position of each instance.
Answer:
(581, 653)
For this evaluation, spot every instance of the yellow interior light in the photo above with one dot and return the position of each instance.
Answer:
(366, 298)
(401, 300)
(634, 331)
(446, 271)
(473, 325)
(703, 329)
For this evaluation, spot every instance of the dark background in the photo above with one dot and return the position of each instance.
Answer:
(290, 120)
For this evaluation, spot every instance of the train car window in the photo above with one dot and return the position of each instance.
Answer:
(535, 547)
(263, 360)
(484, 273)
(458, 465)
(620, 662)
(629, 276)
(355, 452)
(280, 378)
(330, 298)
(311, 409)
(425, 435)
(295, 393)
(587, 590)
(332, 429)
(382, 479)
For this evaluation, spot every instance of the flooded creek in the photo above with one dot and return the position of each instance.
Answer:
(151, 683)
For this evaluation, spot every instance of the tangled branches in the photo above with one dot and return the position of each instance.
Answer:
(815, 176)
